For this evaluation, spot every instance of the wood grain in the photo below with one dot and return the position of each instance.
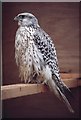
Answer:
(18, 90)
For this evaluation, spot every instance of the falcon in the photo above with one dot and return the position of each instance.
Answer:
(36, 57)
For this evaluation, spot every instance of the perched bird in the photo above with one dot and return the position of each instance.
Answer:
(36, 56)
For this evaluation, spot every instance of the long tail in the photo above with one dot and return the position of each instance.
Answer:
(58, 92)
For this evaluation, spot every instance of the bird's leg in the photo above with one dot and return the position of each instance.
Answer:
(29, 80)
(38, 81)
(44, 82)
(35, 78)
(34, 74)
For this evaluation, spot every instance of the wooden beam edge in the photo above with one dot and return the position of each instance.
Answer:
(18, 90)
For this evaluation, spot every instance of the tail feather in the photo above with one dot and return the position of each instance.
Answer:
(58, 92)
(63, 88)
(63, 97)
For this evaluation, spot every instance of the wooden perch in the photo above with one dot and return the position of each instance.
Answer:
(18, 90)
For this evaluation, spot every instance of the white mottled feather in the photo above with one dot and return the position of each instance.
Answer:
(36, 53)
(27, 54)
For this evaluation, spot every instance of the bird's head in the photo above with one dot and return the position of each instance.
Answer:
(26, 19)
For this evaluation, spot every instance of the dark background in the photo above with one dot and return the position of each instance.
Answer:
(61, 22)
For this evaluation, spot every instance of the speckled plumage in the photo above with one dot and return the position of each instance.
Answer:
(36, 56)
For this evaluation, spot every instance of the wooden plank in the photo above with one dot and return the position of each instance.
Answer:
(71, 83)
(18, 90)
(70, 75)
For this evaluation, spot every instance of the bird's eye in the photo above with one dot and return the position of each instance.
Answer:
(23, 16)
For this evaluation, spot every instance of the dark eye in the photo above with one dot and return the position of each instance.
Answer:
(23, 16)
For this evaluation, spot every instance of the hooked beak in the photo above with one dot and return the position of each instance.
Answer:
(16, 18)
